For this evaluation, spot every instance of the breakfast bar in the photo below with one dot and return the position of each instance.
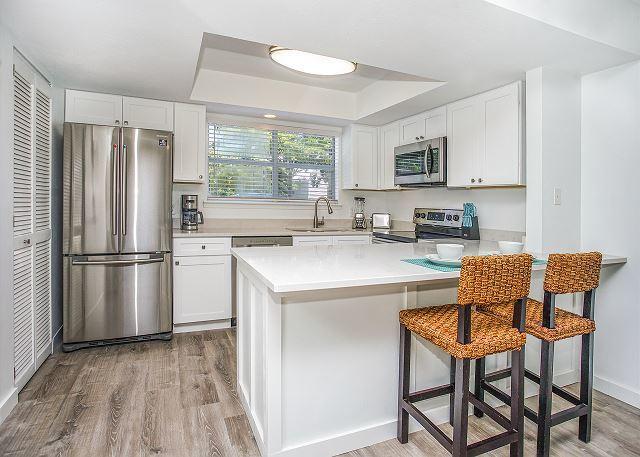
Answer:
(318, 341)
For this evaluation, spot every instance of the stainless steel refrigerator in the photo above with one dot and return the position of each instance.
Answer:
(117, 228)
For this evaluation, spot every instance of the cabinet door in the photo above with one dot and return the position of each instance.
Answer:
(365, 157)
(312, 241)
(500, 155)
(436, 123)
(201, 288)
(351, 239)
(389, 139)
(413, 129)
(462, 143)
(92, 108)
(147, 114)
(190, 143)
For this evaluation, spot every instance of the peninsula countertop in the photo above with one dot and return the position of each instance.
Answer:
(303, 268)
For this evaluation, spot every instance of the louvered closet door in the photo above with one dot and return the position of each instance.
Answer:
(31, 222)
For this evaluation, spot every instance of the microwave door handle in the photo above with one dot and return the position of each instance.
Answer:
(431, 157)
(428, 152)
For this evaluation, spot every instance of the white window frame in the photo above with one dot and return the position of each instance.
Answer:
(242, 121)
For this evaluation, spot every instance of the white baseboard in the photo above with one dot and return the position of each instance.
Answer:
(201, 326)
(621, 392)
(8, 404)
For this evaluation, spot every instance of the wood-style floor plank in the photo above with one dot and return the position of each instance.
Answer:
(178, 398)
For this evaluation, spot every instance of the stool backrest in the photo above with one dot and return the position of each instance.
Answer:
(494, 279)
(572, 273)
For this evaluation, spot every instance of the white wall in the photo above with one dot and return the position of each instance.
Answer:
(553, 160)
(610, 218)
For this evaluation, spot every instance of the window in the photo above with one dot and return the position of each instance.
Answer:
(271, 163)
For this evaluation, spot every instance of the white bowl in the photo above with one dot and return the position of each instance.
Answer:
(450, 251)
(510, 247)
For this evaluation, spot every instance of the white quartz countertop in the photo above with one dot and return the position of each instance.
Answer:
(213, 231)
(303, 268)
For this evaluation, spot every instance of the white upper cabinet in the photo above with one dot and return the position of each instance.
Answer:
(389, 139)
(360, 158)
(118, 111)
(92, 108)
(190, 143)
(484, 139)
(413, 129)
(147, 114)
(424, 126)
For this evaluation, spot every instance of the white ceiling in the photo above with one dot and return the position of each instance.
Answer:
(150, 48)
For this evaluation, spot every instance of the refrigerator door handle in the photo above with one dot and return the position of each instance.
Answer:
(114, 192)
(123, 190)
(84, 260)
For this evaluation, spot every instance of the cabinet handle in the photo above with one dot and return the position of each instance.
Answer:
(421, 137)
(126, 122)
(417, 138)
(117, 121)
(26, 241)
(200, 177)
(479, 179)
(177, 262)
(356, 185)
(473, 180)
(204, 247)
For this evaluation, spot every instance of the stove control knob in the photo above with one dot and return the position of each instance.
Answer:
(417, 215)
(456, 217)
(448, 217)
(422, 215)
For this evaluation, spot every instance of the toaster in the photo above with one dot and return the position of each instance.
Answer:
(380, 221)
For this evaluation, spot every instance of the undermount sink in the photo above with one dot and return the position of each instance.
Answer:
(319, 229)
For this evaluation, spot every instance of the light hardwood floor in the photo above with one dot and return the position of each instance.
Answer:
(178, 398)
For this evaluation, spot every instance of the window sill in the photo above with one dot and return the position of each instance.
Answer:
(264, 203)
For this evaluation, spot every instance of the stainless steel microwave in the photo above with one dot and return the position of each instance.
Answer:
(423, 163)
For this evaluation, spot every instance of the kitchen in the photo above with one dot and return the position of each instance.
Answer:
(221, 237)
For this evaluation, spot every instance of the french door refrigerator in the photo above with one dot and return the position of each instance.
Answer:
(117, 229)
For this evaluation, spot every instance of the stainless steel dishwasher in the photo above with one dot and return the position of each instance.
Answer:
(251, 242)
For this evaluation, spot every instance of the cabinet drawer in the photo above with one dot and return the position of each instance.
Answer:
(351, 239)
(312, 241)
(201, 246)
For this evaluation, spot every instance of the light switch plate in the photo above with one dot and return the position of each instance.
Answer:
(557, 196)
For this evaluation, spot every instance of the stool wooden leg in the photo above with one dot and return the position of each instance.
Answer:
(586, 386)
(517, 401)
(478, 390)
(452, 381)
(545, 398)
(403, 384)
(461, 408)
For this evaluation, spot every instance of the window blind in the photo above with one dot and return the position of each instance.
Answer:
(273, 163)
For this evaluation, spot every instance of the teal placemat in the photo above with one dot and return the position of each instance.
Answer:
(423, 262)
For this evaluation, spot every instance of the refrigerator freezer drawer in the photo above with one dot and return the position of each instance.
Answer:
(116, 296)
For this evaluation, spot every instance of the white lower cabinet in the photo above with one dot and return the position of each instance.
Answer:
(339, 240)
(201, 280)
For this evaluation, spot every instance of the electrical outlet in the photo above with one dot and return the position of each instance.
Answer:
(557, 196)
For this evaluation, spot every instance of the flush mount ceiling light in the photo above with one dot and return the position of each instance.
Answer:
(309, 63)
(270, 116)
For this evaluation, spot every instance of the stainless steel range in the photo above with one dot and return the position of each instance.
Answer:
(432, 223)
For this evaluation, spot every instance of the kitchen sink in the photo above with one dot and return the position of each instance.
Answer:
(319, 229)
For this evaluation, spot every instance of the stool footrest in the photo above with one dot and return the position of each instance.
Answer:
(433, 392)
(568, 414)
(494, 414)
(432, 428)
(506, 399)
(497, 375)
(494, 442)
(559, 391)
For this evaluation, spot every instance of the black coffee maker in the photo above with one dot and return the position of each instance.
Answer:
(191, 217)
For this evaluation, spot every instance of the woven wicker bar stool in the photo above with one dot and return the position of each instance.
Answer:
(468, 334)
(565, 274)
